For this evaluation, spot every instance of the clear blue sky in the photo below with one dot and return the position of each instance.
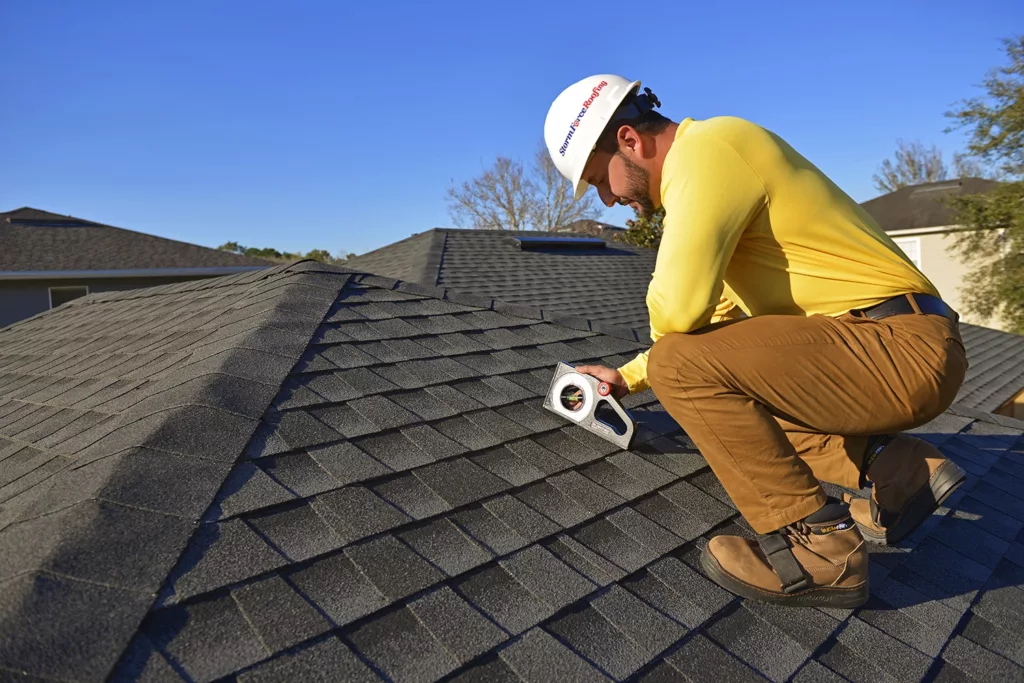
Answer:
(340, 125)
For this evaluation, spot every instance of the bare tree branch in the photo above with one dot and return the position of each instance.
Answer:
(554, 207)
(965, 166)
(913, 165)
(505, 197)
(498, 199)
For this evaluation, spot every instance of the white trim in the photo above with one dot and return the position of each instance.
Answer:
(49, 291)
(125, 273)
(922, 231)
(929, 231)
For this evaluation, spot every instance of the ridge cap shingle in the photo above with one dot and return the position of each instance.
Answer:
(85, 501)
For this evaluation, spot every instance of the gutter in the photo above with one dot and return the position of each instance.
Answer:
(125, 273)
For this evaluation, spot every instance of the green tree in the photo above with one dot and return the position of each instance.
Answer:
(271, 254)
(324, 256)
(996, 120)
(992, 242)
(644, 231)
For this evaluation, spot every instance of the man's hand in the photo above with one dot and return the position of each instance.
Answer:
(610, 375)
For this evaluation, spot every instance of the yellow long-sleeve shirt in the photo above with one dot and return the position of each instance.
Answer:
(751, 225)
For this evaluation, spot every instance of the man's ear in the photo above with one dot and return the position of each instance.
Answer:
(630, 141)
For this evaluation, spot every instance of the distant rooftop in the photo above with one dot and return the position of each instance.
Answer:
(922, 206)
(35, 240)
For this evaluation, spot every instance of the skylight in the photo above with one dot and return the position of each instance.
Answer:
(527, 243)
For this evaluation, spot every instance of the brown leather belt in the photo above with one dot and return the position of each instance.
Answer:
(909, 303)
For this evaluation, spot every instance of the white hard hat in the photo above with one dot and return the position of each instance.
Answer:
(576, 120)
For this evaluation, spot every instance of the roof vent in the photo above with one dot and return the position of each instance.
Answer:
(532, 243)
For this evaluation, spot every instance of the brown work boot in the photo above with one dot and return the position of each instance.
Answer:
(819, 561)
(911, 479)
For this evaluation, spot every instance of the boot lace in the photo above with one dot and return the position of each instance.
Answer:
(799, 531)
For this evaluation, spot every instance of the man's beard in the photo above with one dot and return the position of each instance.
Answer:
(638, 187)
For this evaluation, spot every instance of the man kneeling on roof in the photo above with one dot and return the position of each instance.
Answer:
(793, 340)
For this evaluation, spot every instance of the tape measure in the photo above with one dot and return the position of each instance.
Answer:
(589, 403)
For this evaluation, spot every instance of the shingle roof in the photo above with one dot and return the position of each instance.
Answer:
(996, 372)
(37, 240)
(610, 286)
(310, 473)
(922, 206)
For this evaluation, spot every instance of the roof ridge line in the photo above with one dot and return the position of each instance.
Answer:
(402, 241)
(431, 270)
(145, 426)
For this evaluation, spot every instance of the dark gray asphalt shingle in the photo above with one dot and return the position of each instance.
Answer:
(403, 648)
(220, 554)
(446, 546)
(758, 643)
(491, 264)
(418, 514)
(610, 286)
(207, 639)
(41, 616)
(336, 586)
(328, 659)
(538, 657)
(279, 615)
(698, 656)
(463, 631)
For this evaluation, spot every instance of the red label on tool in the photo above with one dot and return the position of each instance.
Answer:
(604, 389)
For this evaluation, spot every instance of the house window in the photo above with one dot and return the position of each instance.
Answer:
(911, 246)
(62, 295)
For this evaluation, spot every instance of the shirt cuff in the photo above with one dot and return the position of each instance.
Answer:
(635, 374)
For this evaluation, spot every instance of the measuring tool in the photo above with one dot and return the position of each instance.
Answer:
(588, 402)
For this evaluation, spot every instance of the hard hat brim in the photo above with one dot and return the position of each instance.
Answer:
(581, 189)
(581, 186)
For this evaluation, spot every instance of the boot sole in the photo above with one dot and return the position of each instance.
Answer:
(823, 596)
(946, 479)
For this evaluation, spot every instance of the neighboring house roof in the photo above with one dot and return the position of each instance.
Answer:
(311, 474)
(610, 286)
(922, 206)
(40, 243)
(607, 284)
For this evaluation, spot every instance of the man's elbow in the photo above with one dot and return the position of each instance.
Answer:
(682, 318)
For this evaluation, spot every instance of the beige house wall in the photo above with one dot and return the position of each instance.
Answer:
(932, 254)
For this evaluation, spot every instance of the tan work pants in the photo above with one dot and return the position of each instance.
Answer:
(777, 403)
